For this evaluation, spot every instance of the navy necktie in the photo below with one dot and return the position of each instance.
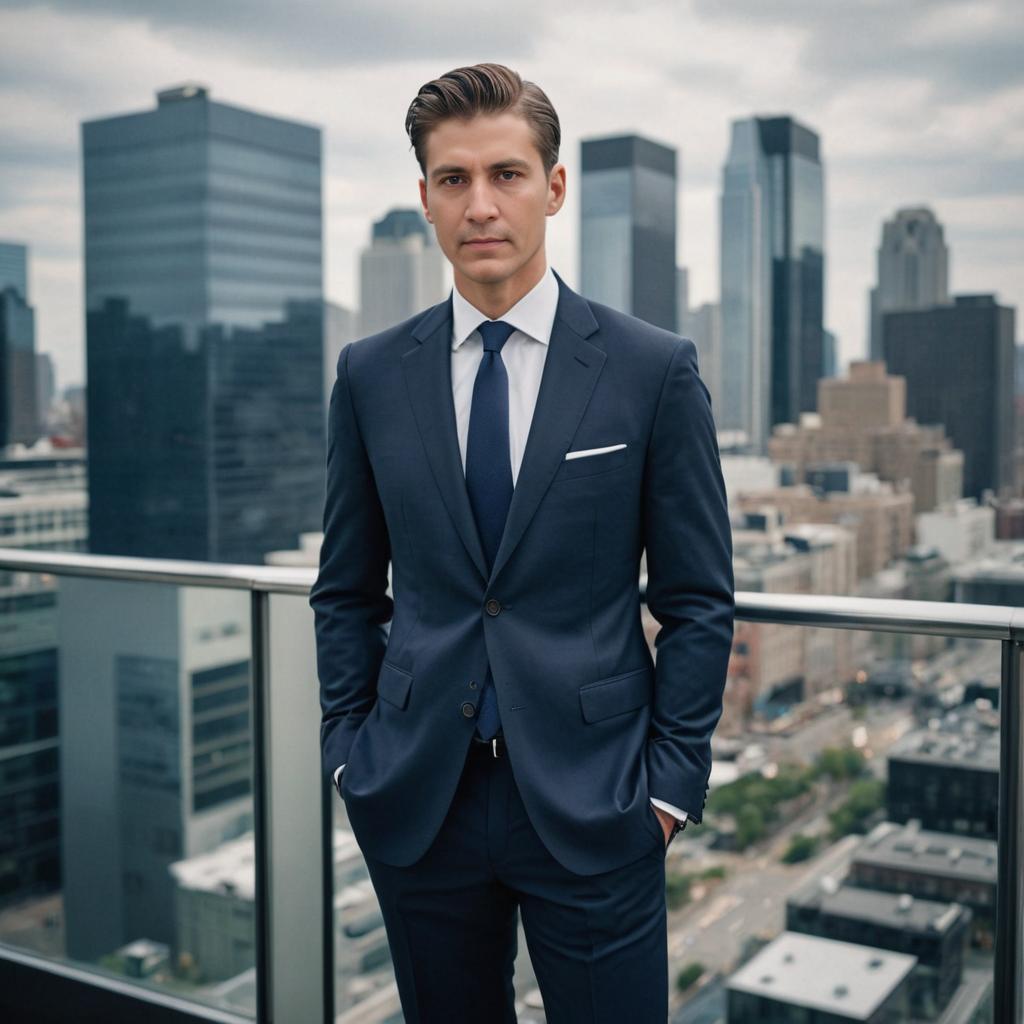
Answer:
(489, 473)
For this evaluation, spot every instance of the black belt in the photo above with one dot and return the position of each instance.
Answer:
(496, 745)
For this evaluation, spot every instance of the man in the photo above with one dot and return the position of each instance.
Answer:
(509, 744)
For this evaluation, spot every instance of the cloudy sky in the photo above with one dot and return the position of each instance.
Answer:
(916, 103)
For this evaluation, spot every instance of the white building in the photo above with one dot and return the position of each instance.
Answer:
(959, 532)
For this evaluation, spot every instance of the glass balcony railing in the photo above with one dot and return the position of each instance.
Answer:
(170, 851)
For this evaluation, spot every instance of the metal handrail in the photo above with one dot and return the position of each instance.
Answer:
(984, 622)
(941, 618)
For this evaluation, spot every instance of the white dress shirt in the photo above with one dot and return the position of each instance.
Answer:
(523, 355)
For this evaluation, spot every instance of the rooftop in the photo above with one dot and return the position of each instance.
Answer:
(823, 974)
(909, 847)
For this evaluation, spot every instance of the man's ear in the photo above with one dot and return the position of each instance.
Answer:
(423, 200)
(556, 189)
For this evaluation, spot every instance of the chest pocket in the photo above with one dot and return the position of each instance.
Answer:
(590, 465)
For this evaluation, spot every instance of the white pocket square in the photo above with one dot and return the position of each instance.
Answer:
(594, 451)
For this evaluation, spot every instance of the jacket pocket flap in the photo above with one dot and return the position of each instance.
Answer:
(616, 694)
(393, 684)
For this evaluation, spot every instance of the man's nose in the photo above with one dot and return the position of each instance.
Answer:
(481, 204)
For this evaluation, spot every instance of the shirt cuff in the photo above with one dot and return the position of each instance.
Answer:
(676, 812)
(337, 772)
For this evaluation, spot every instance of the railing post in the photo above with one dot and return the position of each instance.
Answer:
(294, 914)
(260, 627)
(1007, 998)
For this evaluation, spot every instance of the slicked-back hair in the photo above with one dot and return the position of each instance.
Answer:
(467, 92)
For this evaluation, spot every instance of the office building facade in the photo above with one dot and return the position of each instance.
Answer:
(959, 364)
(203, 266)
(628, 227)
(772, 275)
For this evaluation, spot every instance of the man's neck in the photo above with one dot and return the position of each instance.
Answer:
(495, 298)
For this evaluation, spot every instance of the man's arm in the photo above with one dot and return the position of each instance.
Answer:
(349, 597)
(690, 589)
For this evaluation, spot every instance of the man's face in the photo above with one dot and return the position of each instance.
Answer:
(485, 180)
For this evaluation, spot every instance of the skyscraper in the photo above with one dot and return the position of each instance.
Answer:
(628, 227)
(203, 266)
(772, 275)
(19, 417)
(401, 272)
(912, 269)
(703, 326)
(959, 363)
(14, 267)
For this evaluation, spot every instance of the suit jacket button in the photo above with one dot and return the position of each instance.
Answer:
(468, 709)
(493, 606)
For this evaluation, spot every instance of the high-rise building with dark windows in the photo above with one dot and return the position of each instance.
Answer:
(772, 275)
(203, 267)
(958, 360)
(628, 227)
(19, 415)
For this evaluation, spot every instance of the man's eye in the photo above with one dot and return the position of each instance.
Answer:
(454, 177)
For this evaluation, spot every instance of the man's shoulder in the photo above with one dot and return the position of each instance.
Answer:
(638, 337)
(385, 344)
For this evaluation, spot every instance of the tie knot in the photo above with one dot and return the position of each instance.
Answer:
(495, 333)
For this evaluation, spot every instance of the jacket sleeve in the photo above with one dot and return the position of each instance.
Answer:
(349, 597)
(690, 590)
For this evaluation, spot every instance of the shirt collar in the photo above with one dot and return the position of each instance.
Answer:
(533, 314)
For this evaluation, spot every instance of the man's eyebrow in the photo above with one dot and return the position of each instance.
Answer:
(500, 165)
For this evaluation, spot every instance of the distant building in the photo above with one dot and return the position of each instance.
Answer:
(880, 515)
(341, 326)
(772, 275)
(744, 473)
(156, 749)
(204, 330)
(703, 326)
(923, 863)
(958, 362)
(774, 667)
(948, 777)
(401, 272)
(830, 359)
(14, 267)
(933, 932)
(961, 531)
(19, 414)
(46, 389)
(862, 419)
(1010, 515)
(920, 574)
(628, 226)
(216, 912)
(912, 269)
(995, 577)
(813, 980)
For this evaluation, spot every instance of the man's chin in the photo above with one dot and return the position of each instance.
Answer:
(486, 271)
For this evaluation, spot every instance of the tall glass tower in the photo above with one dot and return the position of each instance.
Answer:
(772, 275)
(628, 227)
(203, 267)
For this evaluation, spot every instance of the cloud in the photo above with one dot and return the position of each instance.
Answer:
(314, 34)
(916, 103)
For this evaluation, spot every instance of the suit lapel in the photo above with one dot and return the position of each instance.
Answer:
(571, 369)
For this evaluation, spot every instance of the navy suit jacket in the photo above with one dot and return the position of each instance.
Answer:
(594, 725)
